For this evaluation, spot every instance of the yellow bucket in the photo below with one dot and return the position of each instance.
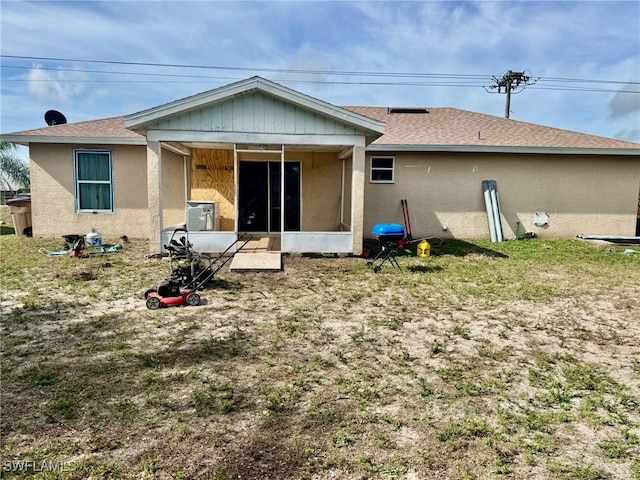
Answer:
(424, 249)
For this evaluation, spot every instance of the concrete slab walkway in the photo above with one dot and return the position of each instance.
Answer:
(260, 254)
(256, 261)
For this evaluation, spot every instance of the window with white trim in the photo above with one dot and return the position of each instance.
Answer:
(382, 169)
(93, 171)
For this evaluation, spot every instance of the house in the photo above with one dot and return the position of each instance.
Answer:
(259, 157)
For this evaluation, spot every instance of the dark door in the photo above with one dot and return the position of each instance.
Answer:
(259, 196)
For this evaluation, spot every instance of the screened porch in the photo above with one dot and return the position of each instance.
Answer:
(290, 198)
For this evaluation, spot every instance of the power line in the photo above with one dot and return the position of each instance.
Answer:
(204, 77)
(209, 79)
(301, 71)
(251, 69)
(110, 72)
(569, 80)
(287, 81)
(583, 89)
(429, 79)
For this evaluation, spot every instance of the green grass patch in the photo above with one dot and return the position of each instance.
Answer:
(481, 361)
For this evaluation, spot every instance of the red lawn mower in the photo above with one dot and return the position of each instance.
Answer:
(190, 272)
(173, 297)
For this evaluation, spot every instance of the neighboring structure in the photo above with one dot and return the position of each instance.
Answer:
(9, 194)
(230, 158)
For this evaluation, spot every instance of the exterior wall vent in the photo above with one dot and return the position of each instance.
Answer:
(414, 111)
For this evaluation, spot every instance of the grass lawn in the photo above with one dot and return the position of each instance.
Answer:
(7, 230)
(518, 360)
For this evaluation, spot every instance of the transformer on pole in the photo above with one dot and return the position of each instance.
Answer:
(508, 83)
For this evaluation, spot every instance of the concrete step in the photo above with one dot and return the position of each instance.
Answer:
(256, 261)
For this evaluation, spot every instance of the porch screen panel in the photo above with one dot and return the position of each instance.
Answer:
(292, 196)
(94, 180)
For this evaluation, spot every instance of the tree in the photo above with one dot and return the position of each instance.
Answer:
(14, 171)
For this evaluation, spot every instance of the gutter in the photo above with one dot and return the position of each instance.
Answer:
(499, 149)
(27, 139)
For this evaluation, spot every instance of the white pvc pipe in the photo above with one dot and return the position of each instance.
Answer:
(496, 215)
(489, 207)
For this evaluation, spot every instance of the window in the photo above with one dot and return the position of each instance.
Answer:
(382, 169)
(94, 180)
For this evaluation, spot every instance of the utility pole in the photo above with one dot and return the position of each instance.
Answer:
(510, 81)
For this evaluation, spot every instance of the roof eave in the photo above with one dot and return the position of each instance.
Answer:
(503, 149)
(27, 139)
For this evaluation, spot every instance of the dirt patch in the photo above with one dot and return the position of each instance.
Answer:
(82, 276)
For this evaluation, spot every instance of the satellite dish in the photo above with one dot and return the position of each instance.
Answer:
(54, 117)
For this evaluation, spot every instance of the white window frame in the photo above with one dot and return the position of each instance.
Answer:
(78, 182)
(373, 169)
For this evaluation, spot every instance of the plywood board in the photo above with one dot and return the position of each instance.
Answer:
(212, 179)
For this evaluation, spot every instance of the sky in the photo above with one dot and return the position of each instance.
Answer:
(95, 59)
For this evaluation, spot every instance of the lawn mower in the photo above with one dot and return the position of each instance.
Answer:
(190, 272)
(170, 294)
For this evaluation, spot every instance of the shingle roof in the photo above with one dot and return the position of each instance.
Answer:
(107, 128)
(454, 127)
(440, 127)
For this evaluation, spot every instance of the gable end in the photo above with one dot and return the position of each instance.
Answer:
(256, 112)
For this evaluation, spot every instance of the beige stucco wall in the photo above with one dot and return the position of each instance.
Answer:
(53, 197)
(321, 190)
(348, 182)
(173, 188)
(53, 201)
(581, 194)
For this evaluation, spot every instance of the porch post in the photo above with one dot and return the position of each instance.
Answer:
(154, 195)
(236, 183)
(342, 185)
(357, 199)
(282, 196)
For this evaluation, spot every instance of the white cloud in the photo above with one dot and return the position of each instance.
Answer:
(626, 101)
(56, 86)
